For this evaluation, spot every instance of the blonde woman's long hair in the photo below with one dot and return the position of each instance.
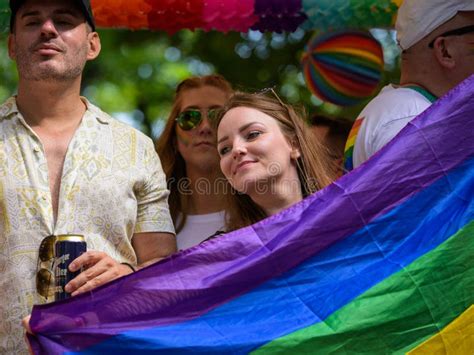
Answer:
(314, 166)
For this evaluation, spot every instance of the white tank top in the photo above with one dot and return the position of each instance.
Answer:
(198, 228)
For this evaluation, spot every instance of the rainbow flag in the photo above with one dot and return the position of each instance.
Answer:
(381, 261)
(350, 143)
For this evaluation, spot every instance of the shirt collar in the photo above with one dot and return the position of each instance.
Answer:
(10, 107)
(96, 112)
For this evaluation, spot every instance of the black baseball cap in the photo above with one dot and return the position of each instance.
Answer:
(84, 5)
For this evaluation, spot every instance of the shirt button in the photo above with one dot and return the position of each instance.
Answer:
(36, 149)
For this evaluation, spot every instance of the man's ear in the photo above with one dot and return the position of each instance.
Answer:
(94, 45)
(11, 46)
(442, 53)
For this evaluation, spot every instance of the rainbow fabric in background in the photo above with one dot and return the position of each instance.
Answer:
(350, 143)
(343, 68)
(381, 261)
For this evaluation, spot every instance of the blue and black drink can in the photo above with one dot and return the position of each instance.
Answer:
(66, 248)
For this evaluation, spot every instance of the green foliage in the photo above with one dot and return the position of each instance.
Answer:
(4, 15)
(8, 75)
(137, 72)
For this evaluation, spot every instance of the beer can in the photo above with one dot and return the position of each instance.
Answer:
(66, 248)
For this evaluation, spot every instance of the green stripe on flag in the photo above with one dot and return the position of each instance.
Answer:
(398, 313)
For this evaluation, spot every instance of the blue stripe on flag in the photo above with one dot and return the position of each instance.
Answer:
(340, 273)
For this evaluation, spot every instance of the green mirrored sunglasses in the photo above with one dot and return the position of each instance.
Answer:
(191, 119)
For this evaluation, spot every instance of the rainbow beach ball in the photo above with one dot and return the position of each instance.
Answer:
(343, 68)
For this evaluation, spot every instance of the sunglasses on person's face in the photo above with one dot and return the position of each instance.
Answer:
(457, 32)
(192, 118)
(44, 276)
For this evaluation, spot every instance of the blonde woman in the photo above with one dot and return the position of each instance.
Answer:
(268, 156)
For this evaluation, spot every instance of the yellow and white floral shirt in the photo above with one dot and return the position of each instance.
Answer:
(112, 187)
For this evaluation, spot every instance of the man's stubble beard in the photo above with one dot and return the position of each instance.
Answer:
(71, 67)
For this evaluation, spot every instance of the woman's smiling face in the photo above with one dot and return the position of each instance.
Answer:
(253, 151)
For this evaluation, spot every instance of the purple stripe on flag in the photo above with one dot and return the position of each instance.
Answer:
(197, 280)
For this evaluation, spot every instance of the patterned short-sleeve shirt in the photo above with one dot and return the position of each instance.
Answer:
(112, 186)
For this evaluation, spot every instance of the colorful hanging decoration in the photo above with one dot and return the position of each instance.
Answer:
(237, 15)
(129, 14)
(229, 15)
(173, 15)
(332, 15)
(278, 15)
(343, 68)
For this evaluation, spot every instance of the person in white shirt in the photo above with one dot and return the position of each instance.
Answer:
(436, 38)
(187, 148)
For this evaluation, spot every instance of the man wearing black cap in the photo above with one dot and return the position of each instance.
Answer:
(84, 6)
(66, 167)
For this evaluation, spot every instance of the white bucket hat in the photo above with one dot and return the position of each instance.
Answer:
(418, 18)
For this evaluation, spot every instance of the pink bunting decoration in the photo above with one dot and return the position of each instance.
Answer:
(229, 15)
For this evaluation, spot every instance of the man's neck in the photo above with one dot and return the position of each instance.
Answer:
(44, 104)
(426, 77)
(436, 90)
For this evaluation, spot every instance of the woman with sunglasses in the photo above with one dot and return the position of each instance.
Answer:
(268, 156)
(187, 149)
